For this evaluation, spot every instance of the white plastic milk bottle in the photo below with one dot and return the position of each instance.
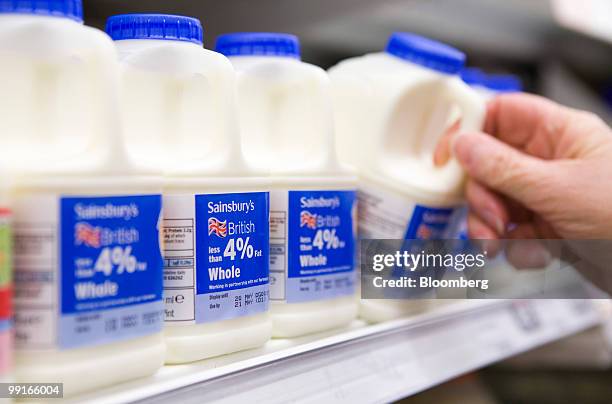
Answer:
(216, 210)
(87, 254)
(390, 109)
(287, 128)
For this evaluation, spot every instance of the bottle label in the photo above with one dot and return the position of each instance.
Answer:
(6, 346)
(5, 264)
(385, 215)
(88, 270)
(5, 291)
(312, 245)
(216, 263)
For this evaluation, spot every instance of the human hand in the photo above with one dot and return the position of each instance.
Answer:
(540, 170)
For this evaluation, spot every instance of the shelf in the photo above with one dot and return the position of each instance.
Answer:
(366, 363)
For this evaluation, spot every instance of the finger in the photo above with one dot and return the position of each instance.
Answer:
(528, 254)
(490, 247)
(477, 229)
(536, 228)
(503, 168)
(488, 206)
(544, 229)
(442, 153)
(522, 231)
(517, 212)
(542, 128)
(516, 117)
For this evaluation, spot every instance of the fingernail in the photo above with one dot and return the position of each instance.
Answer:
(494, 221)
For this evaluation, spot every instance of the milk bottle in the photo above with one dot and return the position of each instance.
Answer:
(216, 213)
(87, 257)
(390, 109)
(287, 127)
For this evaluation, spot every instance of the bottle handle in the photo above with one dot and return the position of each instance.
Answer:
(470, 103)
(458, 101)
(214, 147)
(298, 134)
(108, 140)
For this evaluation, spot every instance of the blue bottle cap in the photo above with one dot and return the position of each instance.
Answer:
(503, 83)
(258, 44)
(426, 52)
(72, 9)
(155, 26)
(473, 76)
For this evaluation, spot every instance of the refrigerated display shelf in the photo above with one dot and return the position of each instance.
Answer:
(365, 363)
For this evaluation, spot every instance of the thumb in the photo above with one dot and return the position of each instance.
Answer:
(502, 167)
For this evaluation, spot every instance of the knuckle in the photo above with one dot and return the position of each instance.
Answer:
(588, 121)
(505, 170)
(544, 186)
(589, 117)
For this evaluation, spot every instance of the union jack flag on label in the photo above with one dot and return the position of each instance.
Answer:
(308, 219)
(87, 235)
(217, 227)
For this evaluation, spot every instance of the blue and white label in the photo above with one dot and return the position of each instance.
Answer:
(216, 256)
(428, 223)
(387, 215)
(111, 279)
(312, 245)
(91, 273)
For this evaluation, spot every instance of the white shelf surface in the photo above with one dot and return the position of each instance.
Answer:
(365, 363)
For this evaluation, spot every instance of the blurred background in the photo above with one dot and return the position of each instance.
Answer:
(561, 49)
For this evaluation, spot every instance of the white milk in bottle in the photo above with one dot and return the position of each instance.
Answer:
(287, 128)
(390, 110)
(87, 256)
(178, 97)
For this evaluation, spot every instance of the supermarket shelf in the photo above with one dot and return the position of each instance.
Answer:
(366, 363)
